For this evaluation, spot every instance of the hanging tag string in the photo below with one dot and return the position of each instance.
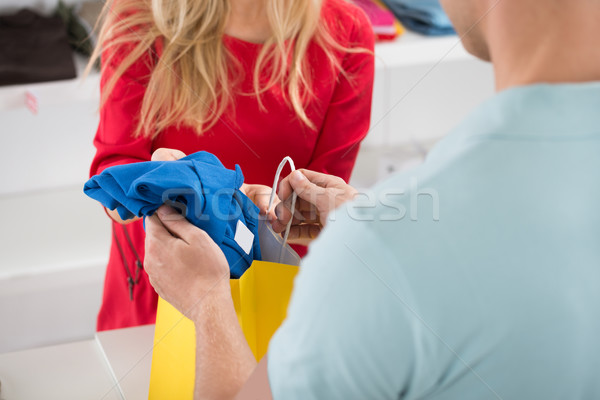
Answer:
(287, 159)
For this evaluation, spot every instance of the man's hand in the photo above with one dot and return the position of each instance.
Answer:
(189, 270)
(318, 195)
(183, 263)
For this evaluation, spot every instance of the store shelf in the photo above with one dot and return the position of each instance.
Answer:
(408, 50)
(53, 93)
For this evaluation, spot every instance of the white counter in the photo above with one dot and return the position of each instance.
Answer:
(72, 371)
(114, 366)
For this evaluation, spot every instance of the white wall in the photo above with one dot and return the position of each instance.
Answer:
(423, 88)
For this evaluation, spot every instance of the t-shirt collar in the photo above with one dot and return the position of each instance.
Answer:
(540, 111)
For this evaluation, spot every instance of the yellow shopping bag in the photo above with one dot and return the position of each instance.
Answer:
(260, 297)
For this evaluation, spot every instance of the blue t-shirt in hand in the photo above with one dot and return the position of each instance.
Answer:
(198, 185)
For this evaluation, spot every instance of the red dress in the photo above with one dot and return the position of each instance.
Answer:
(248, 136)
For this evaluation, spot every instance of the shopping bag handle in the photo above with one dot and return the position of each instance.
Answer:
(289, 160)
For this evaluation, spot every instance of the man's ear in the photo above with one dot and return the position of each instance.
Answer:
(257, 386)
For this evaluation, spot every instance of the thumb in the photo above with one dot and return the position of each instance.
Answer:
(155, 230)
(164, 154)
(176, 223)
(308, 191)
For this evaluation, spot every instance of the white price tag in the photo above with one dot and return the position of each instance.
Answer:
(243, 237)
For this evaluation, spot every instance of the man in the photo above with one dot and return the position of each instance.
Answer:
(476, 276)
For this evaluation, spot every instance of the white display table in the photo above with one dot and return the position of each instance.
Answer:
(128, 352)
(115, 365)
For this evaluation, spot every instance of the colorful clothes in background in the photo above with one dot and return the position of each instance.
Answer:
(422, 16)
(385, 25)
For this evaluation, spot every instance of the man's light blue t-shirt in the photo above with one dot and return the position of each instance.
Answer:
(474, 276)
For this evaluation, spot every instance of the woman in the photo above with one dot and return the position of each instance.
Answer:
(249, 81)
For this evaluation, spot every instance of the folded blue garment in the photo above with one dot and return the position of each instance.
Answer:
(198, 185)
(422, 16)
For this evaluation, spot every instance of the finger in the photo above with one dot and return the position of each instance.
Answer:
(304, 231)
(310, 216)
(285, 189)
(176, 224)
(269, 216)
(164, 154)
(262, 197)
(301, 206)
(310, 195)
(322, 180)
(157, 236)
(282, 218)
(308, 191)
(304, 206)
(279, 224)
(155, 230)
(283, 215)
(259, 195)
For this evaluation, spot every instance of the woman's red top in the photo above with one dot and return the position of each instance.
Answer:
(255, 139)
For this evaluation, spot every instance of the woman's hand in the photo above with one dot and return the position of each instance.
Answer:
(114, 215)
(162, 154)
(260, 194)
(183, 263)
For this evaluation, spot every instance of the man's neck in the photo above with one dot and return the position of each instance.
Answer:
(553, 46)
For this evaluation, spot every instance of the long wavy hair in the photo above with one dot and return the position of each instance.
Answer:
(193, 82)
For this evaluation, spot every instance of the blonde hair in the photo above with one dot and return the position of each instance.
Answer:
(192, 82)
